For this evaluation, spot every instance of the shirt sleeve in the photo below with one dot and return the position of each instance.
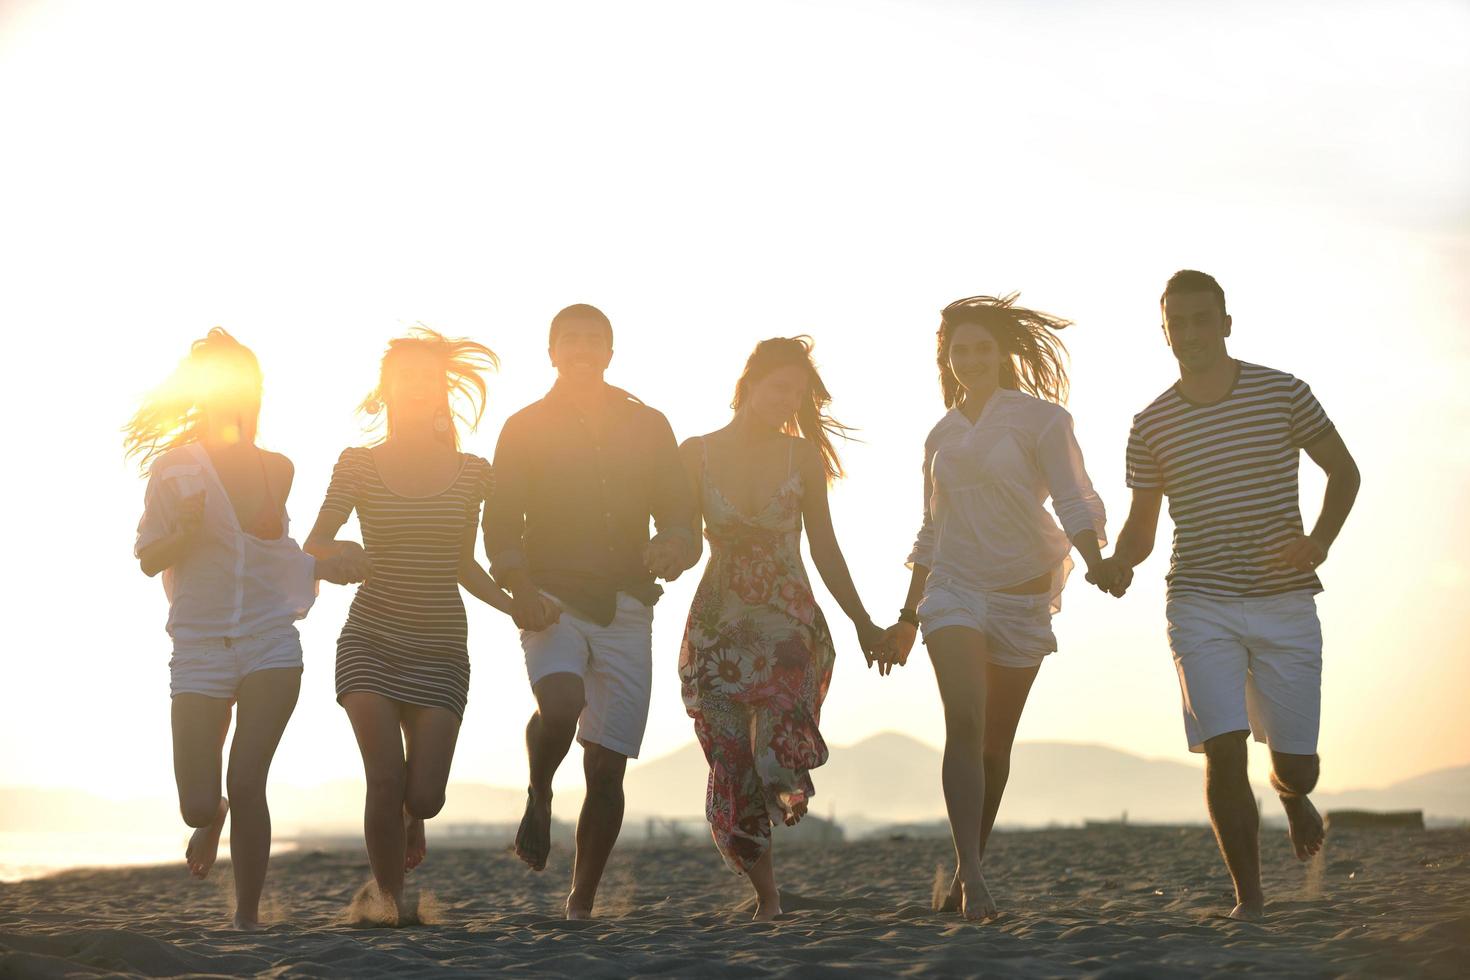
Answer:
(1308, 420)
(1143, 469)
(160, 510)
(923, 550)
(505, 508)
(342, 491)
(1077, 505)
(673, 506)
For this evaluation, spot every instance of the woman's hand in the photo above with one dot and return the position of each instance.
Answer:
(870, 638)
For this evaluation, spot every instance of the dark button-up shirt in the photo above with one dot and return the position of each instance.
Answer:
(571, 503)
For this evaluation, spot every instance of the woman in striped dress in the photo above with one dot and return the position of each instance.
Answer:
(403, 669)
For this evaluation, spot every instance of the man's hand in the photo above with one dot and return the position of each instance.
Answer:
(191, 514)
(1111, 575)
(1304, 554)
(665, 557)
(533, 611)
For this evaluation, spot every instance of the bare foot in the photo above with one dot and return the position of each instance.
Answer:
(947, 902)
(415, 846)
(533, 839)
(1249, 911)
(204, 843)
(245, 924)
(794, 815)
(1307, 832)
(977, 903)
(766, 911)
(574, 912)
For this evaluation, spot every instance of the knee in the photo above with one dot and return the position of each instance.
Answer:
(386, 784)
(559, 713)
(997, 756)
(1226, 751)
(199, 809)
(965, 724)
(604, 771)
(242, 787)
(424, 803)
(1294, 775)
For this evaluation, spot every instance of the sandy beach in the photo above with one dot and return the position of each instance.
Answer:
(1096, 902)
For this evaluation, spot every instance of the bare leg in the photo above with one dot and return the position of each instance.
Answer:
(762, 877)
(266, 700)
(429, 735)
(1293, 777)
(1006, 691)
(375, 722)
(199, 727)
(549, 734)
(959, 658)
(1237, 822)
(597, 826)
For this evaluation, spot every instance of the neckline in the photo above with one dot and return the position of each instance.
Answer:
(463, 462)
(1234, 383)
(208, 462)
(791, 476)
(990, 404)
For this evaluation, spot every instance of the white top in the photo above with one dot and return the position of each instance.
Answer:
(985, 484)
(230, 584)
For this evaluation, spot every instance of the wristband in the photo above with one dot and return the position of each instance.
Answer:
(907, 615)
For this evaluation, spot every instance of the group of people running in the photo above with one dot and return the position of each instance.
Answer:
(566, 509)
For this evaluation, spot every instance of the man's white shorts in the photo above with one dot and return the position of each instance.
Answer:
(1017, 628)
(615, 663)
(1251, 664)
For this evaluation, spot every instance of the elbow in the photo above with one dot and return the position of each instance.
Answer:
(149, 568)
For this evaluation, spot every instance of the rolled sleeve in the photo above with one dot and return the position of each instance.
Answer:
(1077, 505)
(160, 511)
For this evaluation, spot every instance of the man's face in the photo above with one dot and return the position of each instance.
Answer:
(581, 351)
(1195, 328)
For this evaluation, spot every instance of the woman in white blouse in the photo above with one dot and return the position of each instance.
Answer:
(214, 523)
(990, 561)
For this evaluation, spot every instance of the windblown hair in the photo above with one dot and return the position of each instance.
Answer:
(1193, 281)
(1034, 357)
(811, 421)
(465, 364)
(219, 383)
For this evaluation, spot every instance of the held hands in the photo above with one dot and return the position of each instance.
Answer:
(533, 611)
(1304, 554)
(1111, 575)
(900, 636)
(664, 557)
(348, 566)
(872, 639)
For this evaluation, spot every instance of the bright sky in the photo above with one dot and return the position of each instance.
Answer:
(316, 178)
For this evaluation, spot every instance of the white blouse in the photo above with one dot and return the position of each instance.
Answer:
(230, 584)
(985, 526)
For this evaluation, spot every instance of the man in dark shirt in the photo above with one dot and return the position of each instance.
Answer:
(578, 474)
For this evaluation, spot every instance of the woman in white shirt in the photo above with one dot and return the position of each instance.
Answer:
(214, 523)
(990, 562)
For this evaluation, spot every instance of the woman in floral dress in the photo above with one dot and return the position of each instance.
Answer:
(757, 655)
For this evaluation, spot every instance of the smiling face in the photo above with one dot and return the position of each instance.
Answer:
(414, 386)
(775, 399)
(1195, 327)
(581, 351)
(975, 358)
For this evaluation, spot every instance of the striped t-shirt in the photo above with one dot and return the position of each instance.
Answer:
(1229, 470)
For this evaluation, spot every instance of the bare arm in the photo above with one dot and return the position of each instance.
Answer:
(473, 577)
(1136, 541)
(167, 551)
(827, 554)
(1343, 480)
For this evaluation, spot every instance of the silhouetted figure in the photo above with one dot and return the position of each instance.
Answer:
(1223, 444)
(757, 655)
(403, 669)
(990, 563)
(214, 523)
(578, 475)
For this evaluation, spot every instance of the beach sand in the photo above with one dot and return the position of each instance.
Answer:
(1120, 901)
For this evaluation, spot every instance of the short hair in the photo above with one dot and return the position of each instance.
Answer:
(1193, 281)
(580, 312)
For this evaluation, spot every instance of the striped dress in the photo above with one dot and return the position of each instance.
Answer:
(405, 634)
(1229, 470)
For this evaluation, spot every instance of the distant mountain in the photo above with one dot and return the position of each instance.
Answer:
(888, 778)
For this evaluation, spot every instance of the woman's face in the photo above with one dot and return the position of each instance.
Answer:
(776, 398)
(415, 385)
(975, 358)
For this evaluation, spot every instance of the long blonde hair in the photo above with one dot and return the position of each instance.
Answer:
(812, 420)
(465, 364)
(218, 384)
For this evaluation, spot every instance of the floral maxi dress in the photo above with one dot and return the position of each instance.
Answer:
(754, 668)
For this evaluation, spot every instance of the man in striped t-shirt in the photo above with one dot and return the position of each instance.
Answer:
(1223, 444)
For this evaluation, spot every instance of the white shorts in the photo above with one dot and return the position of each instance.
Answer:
(1249, 664)
(1017, 628)
(215, 667)
(615, 663)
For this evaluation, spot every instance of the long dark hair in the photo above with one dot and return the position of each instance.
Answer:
(811, 420)
(1035, 358)
(219, 382)
(465, 364)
